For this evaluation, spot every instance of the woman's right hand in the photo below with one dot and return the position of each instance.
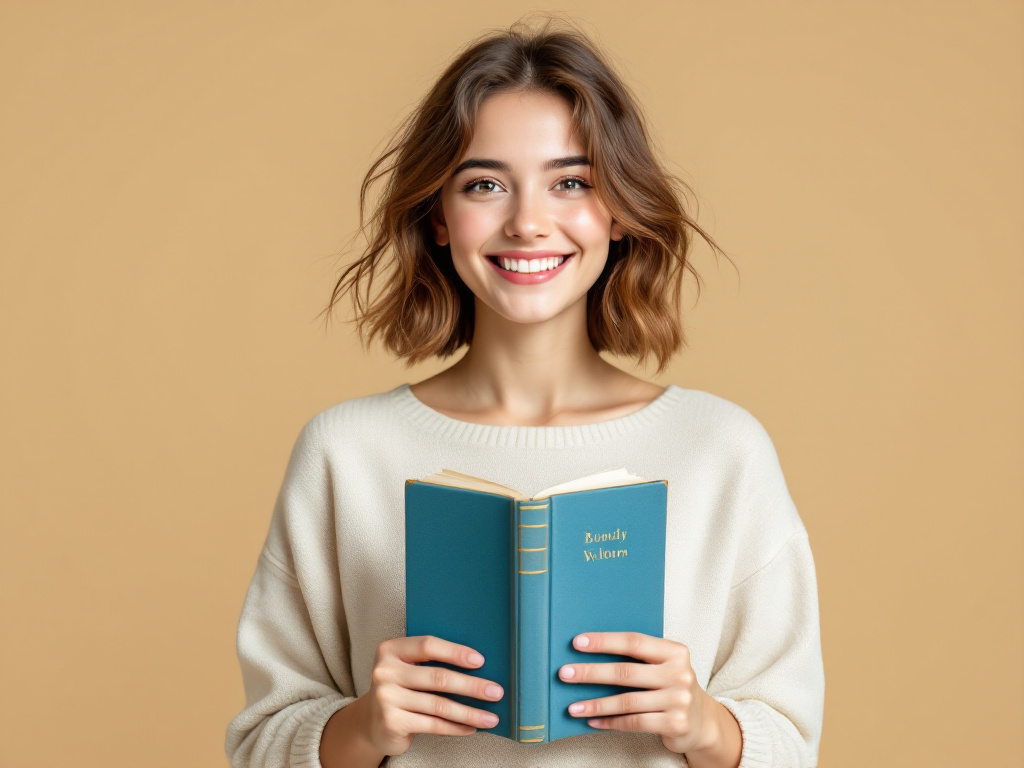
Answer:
(399, 705)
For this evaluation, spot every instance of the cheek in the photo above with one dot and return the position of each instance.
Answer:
(591, 223)
(468, 232)
(470, 226)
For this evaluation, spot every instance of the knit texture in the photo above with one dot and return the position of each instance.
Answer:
(329, 583)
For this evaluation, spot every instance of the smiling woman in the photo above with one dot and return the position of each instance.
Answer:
(526, 218)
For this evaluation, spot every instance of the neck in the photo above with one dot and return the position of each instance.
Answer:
(531, 371)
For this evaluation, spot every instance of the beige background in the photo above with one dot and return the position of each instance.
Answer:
(177, 180)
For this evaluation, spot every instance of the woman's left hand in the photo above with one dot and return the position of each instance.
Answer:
(675, 706)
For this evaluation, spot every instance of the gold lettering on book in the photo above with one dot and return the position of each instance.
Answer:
(590, 555)
(618, 534)
(600, 553)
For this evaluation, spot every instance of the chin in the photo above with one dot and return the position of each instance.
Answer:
(525, 315)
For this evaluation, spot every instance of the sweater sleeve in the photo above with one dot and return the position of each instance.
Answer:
(772, 678)
(768, 670)
(292, 639)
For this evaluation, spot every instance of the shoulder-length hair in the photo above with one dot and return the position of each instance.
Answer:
(425, 309)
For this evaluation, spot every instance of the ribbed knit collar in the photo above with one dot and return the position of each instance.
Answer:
(438, 424)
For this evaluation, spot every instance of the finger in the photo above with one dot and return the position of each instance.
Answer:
(447, 680)
(616, 673)
(446, 709)
(418, 723)
(636, 644)
(646, 722)
(631, 702)
(421, 648)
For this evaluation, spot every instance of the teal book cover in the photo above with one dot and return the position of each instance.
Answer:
(517, 578)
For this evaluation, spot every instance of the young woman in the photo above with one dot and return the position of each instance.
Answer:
(527, 218)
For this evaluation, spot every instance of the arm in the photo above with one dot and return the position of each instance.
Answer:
(769, 671)
(724, 745)
(292, 636)
(290, 692)
(344, 743)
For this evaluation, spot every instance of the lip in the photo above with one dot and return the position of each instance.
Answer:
(529, 278)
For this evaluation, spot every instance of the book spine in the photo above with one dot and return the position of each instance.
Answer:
(532, 621)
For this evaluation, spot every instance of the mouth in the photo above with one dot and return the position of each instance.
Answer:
(529, 266)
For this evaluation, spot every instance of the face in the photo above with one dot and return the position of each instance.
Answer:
(523, 190)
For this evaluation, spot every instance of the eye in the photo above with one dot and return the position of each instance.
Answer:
(577, 184)
(488, 185)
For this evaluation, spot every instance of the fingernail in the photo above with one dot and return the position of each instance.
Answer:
(582, 641)
(476, 658)
(568, 673)
(490, 720)
(575, 708)
(492, 690)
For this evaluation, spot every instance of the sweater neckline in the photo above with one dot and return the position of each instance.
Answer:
(443, 426)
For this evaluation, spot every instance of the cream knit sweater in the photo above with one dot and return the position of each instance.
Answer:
(329, 584)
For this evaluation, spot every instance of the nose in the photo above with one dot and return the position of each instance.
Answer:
(528, 215)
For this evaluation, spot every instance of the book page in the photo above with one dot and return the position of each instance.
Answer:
(609, 479)
(461, 480)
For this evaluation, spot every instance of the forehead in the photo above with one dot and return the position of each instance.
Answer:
(525, 125)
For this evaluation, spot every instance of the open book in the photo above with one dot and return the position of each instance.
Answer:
(517, 578)
(613, 477)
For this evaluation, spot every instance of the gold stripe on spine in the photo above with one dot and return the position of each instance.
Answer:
(533, 549)
(529, 741)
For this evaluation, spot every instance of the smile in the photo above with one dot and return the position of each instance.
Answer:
(529, 271)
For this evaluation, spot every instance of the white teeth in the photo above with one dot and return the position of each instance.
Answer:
(531, 265)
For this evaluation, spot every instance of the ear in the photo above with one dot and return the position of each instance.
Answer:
(437, 223)
(617, 231)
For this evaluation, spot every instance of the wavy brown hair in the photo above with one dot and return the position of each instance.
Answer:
(425, 309)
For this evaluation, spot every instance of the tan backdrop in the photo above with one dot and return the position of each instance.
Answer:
(177, 179)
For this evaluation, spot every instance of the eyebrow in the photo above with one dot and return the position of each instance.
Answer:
(499, 165)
